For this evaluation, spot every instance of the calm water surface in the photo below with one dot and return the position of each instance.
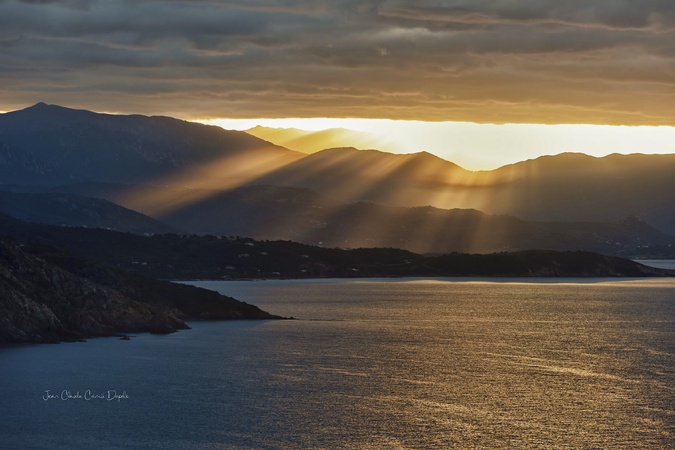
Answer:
(659, 263)
(372, 364)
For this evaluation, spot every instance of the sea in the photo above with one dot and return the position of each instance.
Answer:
(368, 364)
(658, 263)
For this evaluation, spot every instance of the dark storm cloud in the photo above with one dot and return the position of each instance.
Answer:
(607, 61)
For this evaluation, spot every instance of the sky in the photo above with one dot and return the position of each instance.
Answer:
(484, 146)
(489, 62)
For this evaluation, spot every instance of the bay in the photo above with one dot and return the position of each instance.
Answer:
(658, 263)
(402, 363)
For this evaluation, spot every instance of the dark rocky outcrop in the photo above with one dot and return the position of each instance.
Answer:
(48, 296)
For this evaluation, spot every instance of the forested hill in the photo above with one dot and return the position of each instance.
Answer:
(172, 256)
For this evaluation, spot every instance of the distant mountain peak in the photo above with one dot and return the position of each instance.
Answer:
(42, 106)
(51, 145)
(310, 142)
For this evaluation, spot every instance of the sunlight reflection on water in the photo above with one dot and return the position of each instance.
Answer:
(375, 364)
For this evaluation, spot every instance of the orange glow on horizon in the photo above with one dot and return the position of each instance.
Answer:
(477, 146)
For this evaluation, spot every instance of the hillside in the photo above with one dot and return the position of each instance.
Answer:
(48, 296)
(566, 187)
(301, 215)
(350, 175)
(77, 211)
(50, 145)
(208, 257)
(176, 164)
(580, 187)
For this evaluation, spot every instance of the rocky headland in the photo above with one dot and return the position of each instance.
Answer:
(48, 296)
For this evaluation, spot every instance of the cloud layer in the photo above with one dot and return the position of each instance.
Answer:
(607, 61)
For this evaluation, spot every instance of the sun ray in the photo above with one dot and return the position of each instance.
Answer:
(184, 187)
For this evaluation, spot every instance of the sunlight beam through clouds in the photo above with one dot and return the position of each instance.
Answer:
(485, 146)
(479, 83)
(193, 184)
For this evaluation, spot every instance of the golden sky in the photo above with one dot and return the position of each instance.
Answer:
(469, 80)
(483, 61)
(471, 145)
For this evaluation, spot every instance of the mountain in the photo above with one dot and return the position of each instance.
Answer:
(175, 165)
(270, 212)
(48, 296)
(301, 215)
(574, 186)
(371, 175)
(77, 211)
(566, 187)
(315, 141)
(50, 145)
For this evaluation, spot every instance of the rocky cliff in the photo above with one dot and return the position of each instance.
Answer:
(47, 296)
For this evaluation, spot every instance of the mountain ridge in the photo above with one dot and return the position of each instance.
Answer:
(302, 215)
(314, 141)
(209, 257)
(50, 144)
(568, 187)
(53, 208)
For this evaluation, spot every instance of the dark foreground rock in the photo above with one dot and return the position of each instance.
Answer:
(48, 296)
